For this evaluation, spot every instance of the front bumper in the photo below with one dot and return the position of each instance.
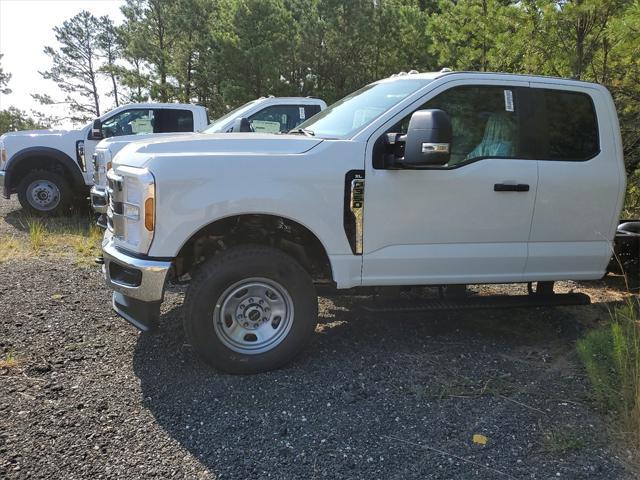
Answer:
(137, 284)
(99, 200)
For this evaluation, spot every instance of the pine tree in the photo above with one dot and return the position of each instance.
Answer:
(109, 45)
(4, 79)
(75, 65)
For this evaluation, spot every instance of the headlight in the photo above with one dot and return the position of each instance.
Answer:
(131, 212)
(80, 155)
(100, 167)
(3, 156)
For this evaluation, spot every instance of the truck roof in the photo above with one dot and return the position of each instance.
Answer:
(488, 75)
(158, 104)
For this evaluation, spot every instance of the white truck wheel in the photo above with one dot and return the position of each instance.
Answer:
(44, 193)
(250, 309)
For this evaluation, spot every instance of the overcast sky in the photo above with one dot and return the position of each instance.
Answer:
(26, 26)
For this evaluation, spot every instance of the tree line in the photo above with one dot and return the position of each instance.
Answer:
(221, 53)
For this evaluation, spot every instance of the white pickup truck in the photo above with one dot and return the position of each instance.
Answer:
(47, 168)
(265, 114)
(441, 178)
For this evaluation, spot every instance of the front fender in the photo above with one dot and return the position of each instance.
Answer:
(308, 188)
(13, 171)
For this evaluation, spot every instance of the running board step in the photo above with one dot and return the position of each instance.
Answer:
(477, 303)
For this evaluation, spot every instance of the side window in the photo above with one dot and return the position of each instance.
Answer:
(129, 122)
(570, 131)
(484, 122)
(278, 118)
(169, 120)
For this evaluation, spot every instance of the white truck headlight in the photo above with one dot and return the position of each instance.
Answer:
(3, 157)
(101, 164)
(131, 212)
(80, 155)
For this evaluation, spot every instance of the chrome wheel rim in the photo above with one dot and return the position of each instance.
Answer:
(43, 195)
(253, 316)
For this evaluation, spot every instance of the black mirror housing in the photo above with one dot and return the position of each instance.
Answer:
(241, 124)
(96, 130)
(428, 139)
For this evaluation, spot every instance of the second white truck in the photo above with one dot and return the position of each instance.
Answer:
(50, 169)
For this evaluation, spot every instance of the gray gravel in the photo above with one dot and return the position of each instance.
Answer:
(372, 397)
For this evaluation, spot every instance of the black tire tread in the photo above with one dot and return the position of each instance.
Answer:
(63, 185)
(222, 261)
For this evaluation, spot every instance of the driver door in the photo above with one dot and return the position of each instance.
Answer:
(132, 121)
(455, 223)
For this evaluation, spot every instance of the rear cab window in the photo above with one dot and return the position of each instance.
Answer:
(566, 125)
(167, 120)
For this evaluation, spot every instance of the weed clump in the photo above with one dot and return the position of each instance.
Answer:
(611, 357)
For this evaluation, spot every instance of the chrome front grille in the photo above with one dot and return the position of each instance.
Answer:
(115, 194)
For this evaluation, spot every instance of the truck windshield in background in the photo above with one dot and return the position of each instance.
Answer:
(214, 127)
(360, 108)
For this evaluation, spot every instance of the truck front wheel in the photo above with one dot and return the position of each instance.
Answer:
(44, 193)
(250, 309)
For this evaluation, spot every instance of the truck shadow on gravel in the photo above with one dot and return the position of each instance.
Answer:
(389, 397)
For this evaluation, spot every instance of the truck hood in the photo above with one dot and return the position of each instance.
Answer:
(107, 142)
(38, 133)
(138, 153)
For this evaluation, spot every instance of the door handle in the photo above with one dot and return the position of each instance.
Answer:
(511, 187)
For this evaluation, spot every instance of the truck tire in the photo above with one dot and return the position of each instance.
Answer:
(250, 309)
(43, 192)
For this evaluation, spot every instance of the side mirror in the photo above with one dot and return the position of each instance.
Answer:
(241, 124)
(96, 130)
(428, 139)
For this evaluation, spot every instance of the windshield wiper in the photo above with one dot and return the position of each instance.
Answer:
(302, 131)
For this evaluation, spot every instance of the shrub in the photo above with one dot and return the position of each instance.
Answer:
(631, 208)
(611, 356)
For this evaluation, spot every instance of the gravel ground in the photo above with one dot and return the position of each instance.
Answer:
(371, 398)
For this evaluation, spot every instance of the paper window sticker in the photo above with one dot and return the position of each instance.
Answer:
(302, 115)
(508, 101)
(265, 126)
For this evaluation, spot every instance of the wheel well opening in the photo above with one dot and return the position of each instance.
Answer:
(39, 162)
(278, 232)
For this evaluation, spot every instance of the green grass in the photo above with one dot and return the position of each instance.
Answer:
(37, 233)
(76, 238)
(10, 247)
(468, 388)
(9, 362)
(561, 440)
(611, 357)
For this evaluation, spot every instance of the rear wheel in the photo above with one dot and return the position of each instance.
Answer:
(44, 193)
(250, 309)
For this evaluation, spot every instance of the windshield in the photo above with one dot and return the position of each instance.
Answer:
(219, 123)
(360, 108)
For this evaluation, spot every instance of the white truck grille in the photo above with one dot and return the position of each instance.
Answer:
(115, 195)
